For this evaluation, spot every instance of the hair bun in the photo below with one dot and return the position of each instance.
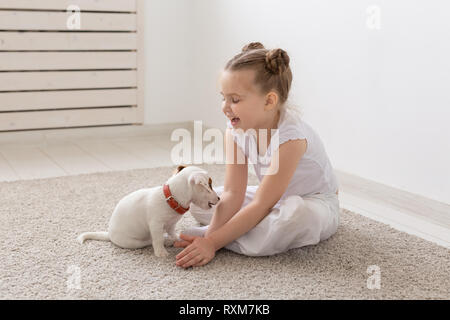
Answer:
(252, 45)
(277, 61)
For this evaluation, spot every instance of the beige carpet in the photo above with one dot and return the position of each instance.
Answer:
(41, 259)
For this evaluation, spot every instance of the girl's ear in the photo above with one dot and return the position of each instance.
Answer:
(271, 100)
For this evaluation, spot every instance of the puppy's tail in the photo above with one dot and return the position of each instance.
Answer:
(103, 236)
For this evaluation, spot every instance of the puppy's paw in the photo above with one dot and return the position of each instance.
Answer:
(168, 241)
(161, 253)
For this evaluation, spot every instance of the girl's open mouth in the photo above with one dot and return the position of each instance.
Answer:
(234, 121)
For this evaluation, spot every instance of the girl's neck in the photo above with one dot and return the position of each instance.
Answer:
(272, 125)
(276, 120)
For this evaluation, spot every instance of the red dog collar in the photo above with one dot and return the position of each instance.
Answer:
(172, 202)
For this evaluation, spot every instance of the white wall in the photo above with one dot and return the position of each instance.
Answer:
(168, 34)
(378, 98)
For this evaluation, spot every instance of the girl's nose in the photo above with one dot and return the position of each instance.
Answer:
(226, 107)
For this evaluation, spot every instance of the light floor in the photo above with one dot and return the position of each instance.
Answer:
(81, 155)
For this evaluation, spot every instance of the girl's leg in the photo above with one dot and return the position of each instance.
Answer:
(295, 222)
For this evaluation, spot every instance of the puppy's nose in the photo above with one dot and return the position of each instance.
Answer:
(218, 198)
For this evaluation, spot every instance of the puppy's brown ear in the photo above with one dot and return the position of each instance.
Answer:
(178, 169)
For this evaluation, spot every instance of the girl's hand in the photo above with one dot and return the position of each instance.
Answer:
(198, 251)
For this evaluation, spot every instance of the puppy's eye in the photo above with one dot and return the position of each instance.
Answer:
(207, 187)
(210, 183)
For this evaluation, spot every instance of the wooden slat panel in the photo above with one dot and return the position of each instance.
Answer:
(12, 40)
(77, 107)
(66, 118)
(85, 5)
(14, 81)
(141, 59)
(13, 101)
(66, 60)
(41, 20)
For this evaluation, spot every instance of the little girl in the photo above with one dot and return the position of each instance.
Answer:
(296, 203)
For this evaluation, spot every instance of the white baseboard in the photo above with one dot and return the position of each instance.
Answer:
(396, 219)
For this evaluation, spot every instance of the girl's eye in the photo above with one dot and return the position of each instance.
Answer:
(232, 100)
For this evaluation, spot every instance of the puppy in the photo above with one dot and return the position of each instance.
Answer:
(141, 217)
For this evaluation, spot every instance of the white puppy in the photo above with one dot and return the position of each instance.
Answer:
(141, 217)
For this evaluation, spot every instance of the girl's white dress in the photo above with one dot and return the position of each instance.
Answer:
(308, 211)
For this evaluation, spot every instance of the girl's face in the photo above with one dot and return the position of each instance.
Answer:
(242, 103)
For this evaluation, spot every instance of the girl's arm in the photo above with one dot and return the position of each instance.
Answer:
(227, 207)
(272, 187)
(235, 186)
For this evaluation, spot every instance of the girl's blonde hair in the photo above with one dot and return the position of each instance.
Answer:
(271, 67)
